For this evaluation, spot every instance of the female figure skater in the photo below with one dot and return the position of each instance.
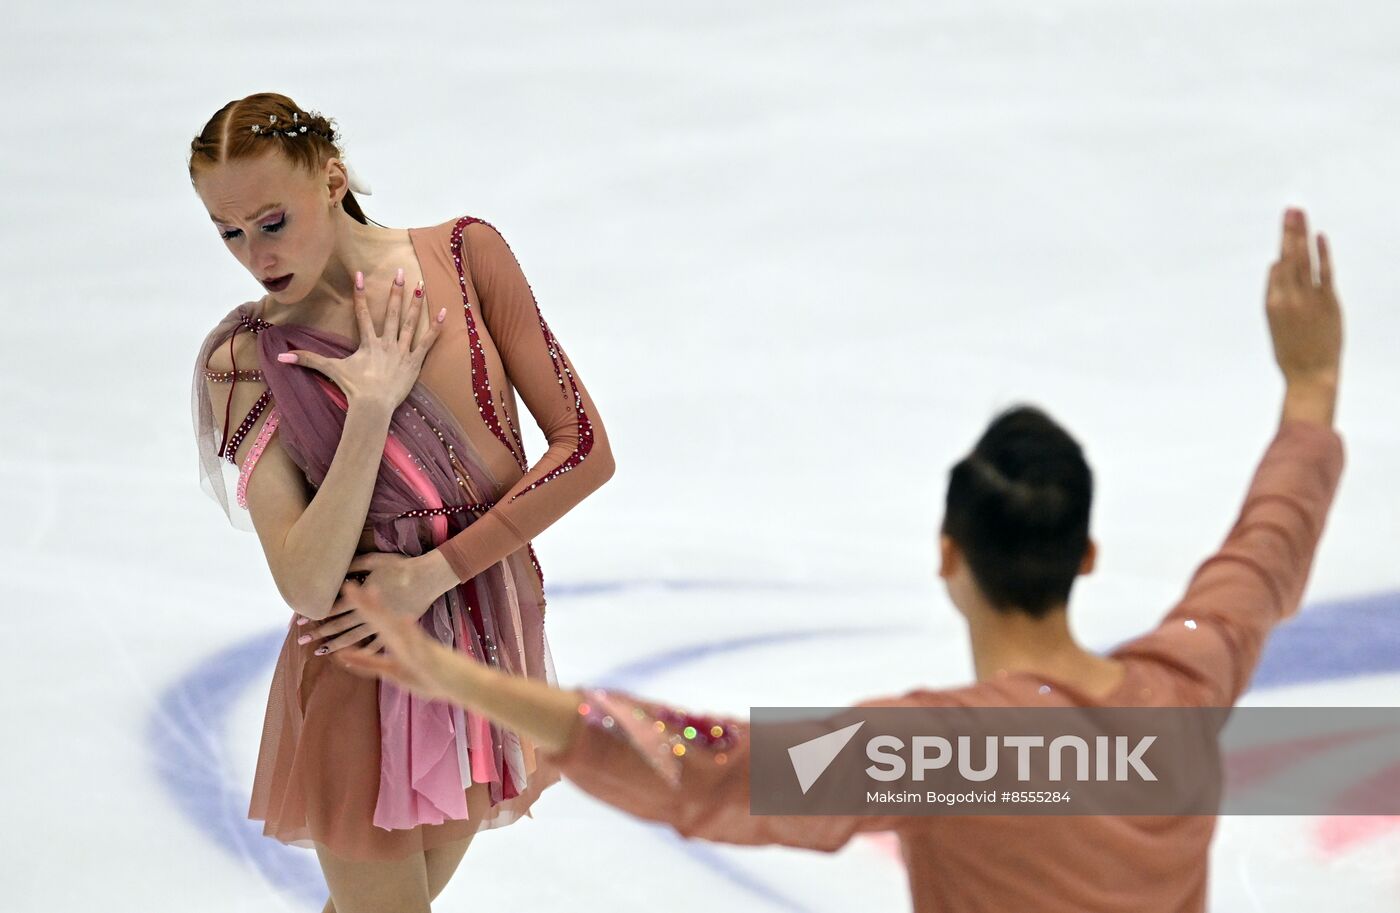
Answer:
(385, 434)
(1014, 538)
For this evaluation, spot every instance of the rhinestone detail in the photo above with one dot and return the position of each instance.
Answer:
(481, 385)
(256, 324)
(259, 444)
(230, 450)
(228, 377)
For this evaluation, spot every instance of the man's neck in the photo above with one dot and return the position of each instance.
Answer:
(1008, 642)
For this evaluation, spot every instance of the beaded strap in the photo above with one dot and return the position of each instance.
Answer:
(256, 324)
(444, 511)
(259, 444)
(230, 450)
(228, 377)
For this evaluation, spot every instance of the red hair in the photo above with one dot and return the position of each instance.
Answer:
(229, 136)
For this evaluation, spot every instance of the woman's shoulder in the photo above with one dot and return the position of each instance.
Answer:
(224, 346)
(461, 217)
(470, 237)
(467, 224)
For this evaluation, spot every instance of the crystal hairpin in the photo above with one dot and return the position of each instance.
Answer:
(258, 128)
(357, 184)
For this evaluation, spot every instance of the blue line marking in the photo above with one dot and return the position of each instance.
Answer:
(1327, 641)
(186, 730)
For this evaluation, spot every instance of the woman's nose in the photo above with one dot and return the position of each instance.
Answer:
(262, 259)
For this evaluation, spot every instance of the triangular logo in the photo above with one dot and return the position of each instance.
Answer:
(810, 759)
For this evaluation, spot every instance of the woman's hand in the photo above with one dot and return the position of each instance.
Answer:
(394, 580)
(385, 367)
(413, 660)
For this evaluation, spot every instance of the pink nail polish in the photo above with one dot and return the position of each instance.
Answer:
(288, 358)
(304, 639)
(302, 621)
(442, 315)
(359, 281)
(398, 277)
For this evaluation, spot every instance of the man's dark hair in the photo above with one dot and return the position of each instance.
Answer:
(1018, 507)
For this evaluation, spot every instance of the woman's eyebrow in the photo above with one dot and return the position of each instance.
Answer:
(256, 215)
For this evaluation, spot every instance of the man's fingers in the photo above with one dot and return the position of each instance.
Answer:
(363, 661)
(363, 656)
(1324, 260)
(1295, 242)
(369, 663)
(1273, 292)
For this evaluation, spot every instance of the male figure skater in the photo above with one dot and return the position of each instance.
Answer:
(1014, 537)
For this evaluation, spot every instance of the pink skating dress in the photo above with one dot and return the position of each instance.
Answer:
(357, 765)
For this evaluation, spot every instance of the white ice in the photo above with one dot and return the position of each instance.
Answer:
(800, 253)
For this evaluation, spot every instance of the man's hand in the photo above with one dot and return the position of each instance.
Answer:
(1305, 320)
(412, 660)
(398, 581)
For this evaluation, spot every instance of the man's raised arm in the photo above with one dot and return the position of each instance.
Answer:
(1217, 632)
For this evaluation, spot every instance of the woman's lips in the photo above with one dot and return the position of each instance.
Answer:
(277, 285)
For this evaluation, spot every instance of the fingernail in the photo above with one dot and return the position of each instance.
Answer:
(288, 358)
(442, 315)
(418, 291)
(321, 651)
(359, 281)
(398, 277)
(302, 621)
(304, 639)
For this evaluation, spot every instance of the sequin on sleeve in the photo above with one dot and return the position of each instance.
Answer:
(665, 737)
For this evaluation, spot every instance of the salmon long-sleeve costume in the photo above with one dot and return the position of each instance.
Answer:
(635, 754)
(359, 766)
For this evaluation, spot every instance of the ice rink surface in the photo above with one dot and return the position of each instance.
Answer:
(800, 253)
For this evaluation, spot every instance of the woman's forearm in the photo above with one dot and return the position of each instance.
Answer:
(542, 713)
(320, 545)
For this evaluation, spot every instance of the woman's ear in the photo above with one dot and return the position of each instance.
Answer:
(337, 181)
